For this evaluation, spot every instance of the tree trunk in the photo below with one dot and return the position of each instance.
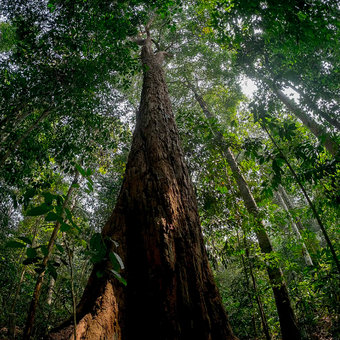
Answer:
(285, 311)
(313, 106)
(50, 291)
(317, 130)
(170, 292)
(258, 298)
(311, 204)
(295, 229)
(290, 206)
(289, 329)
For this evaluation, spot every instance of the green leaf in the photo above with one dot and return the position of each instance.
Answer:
(40, 210)
(59, 209)
(233, 123)
(48, 197)
(25, 239)
(68, 213)
(51, 216)
(27, 262)
(39, 269)
(60, 200)
(81, 170)
(89, 186)
(30, 193)
(75, 185)
(119, 277)
(64, 262)
(89, 172)
(44, 250)
(59, 247)
(96, 241)
(31, 253)
(65, 227)
(54, 263)
(15, 244)
(100, 273)
(121, 264)
(115, 263)
(51, 270)
(75, 226)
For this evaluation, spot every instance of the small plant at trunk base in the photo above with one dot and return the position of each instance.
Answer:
(99, 253)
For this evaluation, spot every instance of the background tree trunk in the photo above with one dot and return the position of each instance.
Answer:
(305, 252)
(171, 293)
(288, 324)
(317, 130)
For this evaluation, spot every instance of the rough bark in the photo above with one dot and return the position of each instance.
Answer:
(317, 130)
(170, 292)
(295, 229)
(288, 324)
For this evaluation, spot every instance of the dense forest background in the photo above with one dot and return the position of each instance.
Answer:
(254, 87)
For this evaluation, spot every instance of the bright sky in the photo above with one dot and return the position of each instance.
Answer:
(249, 87)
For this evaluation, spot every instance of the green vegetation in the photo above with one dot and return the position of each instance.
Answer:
(70, 82)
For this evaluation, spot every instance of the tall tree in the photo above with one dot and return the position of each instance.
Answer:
(171, 292)
(286, 314)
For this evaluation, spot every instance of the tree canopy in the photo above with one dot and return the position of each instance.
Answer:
(264, 165)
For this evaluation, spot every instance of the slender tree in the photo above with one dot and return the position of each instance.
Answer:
(296, 231)
(286, 314)
(310, 203)
(41, 275)
(316, 129)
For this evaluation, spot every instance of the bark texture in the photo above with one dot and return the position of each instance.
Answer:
(170, 292)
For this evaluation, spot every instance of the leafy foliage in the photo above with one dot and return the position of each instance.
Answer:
(68, 94)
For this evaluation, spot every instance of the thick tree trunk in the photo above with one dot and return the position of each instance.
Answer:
(170, 292)
(285, 311)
